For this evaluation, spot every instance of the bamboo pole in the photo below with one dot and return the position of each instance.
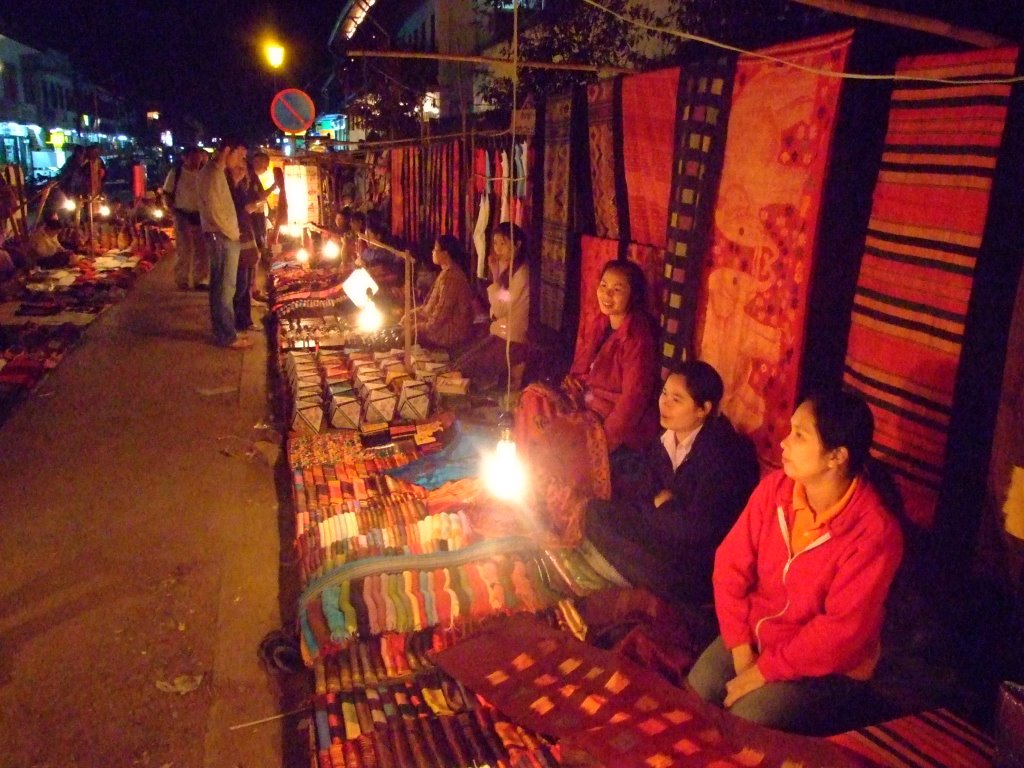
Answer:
(490, 60)
(908, 21)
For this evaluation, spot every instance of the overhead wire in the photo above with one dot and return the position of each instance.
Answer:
(689, 36)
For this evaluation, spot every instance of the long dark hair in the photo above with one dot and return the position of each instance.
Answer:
(451, 245)
(703, 383)
(636, 279)
(844, 420)
(515, 235)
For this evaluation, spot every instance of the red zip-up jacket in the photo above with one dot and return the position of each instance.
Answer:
(815, 613)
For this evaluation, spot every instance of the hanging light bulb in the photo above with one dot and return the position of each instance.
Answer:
(104, 210)
(370, 318)
(331, 250)
(69, 204)
(302, 256)
(158, 213)
(503, 471)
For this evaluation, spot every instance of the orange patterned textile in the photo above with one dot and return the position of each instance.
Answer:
(753, 301)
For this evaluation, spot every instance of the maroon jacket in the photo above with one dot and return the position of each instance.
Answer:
(620, 379)
(815, 613)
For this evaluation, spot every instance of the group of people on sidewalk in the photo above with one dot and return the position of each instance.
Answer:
(221, 231)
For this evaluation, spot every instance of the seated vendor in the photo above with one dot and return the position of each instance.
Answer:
(691, 485)
(614, 372)
(801, 580)
(446, 319)
(45, 249)
(487, 362)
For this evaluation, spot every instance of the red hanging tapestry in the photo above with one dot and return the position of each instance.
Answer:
(925, 231)
(554, 244)
(648, 128)
(600, 127)
(753, 302)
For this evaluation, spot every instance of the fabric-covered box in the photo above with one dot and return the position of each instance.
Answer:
(414, 400)
(345, 412)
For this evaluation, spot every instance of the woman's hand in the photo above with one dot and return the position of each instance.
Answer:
(663, 495)
(743, 658)
(746, 682)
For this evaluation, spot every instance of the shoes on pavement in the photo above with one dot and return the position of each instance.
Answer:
(239, 343)
(202, 286)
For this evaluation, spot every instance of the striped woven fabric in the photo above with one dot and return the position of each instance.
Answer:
(924, 236)
(604, 180)
(754, 287)
(554, 244)
(926, 740)
(648, 124)
(702, 108)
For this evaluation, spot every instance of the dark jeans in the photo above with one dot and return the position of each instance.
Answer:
(815, 706)
(243, 298)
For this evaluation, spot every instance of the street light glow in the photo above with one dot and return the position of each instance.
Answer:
(274, 53)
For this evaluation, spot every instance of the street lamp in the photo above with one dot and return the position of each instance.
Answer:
(274, 53)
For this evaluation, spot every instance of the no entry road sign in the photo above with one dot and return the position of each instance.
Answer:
(292, 110)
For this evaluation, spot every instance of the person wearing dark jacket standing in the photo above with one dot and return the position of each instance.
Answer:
(695, 479)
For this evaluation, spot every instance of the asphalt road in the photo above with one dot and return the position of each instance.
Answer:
(140, 549)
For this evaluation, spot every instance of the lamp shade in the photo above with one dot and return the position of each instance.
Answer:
(356, 286)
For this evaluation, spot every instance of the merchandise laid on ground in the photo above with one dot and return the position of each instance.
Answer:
(443, 627)
(45, 311)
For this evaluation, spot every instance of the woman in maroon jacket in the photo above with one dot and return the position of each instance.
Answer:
(614, 375)
(801, 580)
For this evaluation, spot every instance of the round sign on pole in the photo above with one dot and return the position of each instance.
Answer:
(292, 110)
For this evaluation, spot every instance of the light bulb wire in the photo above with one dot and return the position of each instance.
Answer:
(511, 231)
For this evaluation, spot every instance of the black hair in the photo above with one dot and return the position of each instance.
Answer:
(636, 279)
(230, 142)
(514, 234)
(844, 420)
(451, 245)
(358, 216)
(703, 383)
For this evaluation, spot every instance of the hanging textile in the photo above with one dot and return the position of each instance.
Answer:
(595, 253)
(926, 226)
(398, 223)
(702, 109)
(648, 123)
(554, 244)
(754, 288)
(605, 146)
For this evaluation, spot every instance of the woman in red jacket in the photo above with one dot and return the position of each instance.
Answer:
(801, 580)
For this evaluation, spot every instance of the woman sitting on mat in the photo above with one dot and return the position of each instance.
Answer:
(691, 485)
(509, 298)
(446, 318)
(614, 373)
(801, 580)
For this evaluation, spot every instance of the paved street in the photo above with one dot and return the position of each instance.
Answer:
(139, 545)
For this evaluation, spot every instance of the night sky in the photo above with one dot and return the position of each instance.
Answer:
(199, 57)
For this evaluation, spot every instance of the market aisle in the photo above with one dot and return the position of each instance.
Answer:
(139, 542)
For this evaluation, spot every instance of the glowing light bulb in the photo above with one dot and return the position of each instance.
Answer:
(503, 473)
(70, 205)
(104, 210)
(302, 256)
(158, 213)
(331, 250)
(370, 318)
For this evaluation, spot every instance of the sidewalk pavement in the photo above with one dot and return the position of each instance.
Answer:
(140, 544)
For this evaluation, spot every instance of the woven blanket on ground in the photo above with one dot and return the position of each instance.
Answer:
(755, 285)
(554, 243)
(595, 253)
(382, 702)
(702, 108)
(924, 740)
(606, 706)
(605, 133)
(648, 125)
(925, 231)
(406, 593)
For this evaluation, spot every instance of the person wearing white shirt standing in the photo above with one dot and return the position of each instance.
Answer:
(192, 268)
(221, 232)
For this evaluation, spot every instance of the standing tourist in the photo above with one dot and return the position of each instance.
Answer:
(221, 231)
(191, 268)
